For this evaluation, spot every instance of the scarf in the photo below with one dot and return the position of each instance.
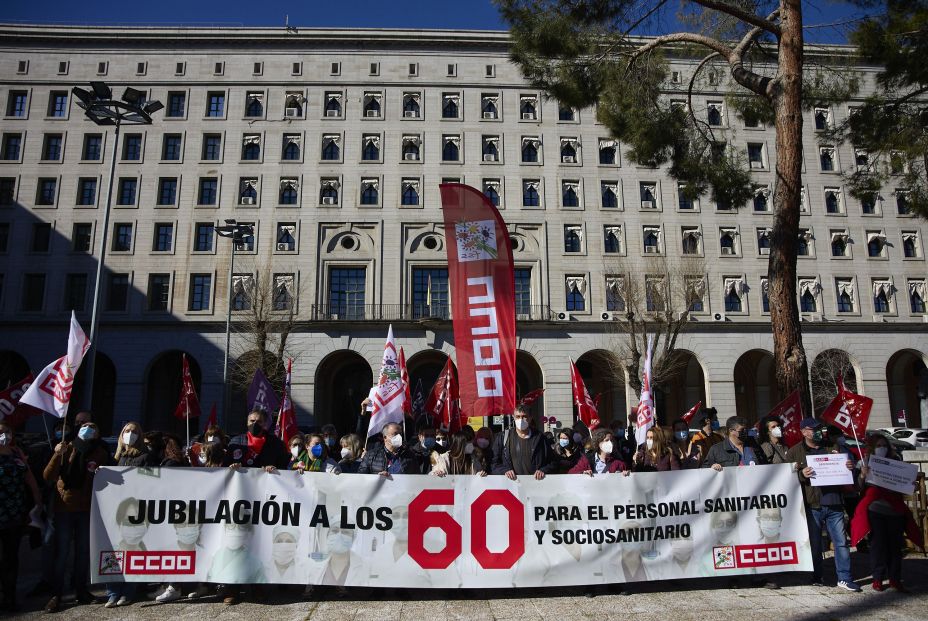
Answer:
(255, 446)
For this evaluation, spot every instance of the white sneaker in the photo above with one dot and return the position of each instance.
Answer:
(111, 602)
(124, 601)
(850, 586)
(170, 594)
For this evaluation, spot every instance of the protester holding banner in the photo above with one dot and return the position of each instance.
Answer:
(884, 515)
(350, 453)
(824, 506)
(389, 456)
(483, 442)
(770, 437)
(524, 452)
(131, 449)
(568, 452)
(734, 451)
(707, 436)
(256, 448)
(623, 447)
(318, 456)
(299, 457)
(165, 449)
(423, 449)
(16, 484)
(686, 452)
(600, 458)
(655, 455)
(330, 437)
(461, 458)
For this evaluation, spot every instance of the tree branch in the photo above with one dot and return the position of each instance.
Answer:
(745, 16)
(755, 82)
(681, 37)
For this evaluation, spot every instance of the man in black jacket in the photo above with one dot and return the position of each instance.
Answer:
(256, 448)
(390, 456)
(524, 452)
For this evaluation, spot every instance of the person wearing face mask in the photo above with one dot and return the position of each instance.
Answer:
(567, 451)
(770, 437)
(350, 455)
(524, 452)
(423, 449)
(601, 457)
(708, 434)
(461, 458)
(16, 485)
(483, 444)
(196, 454)
(256, 448)
(655, 455)
(687, 452)
(71, 470)
(131, 450)
(735, 450)
(390, 456)
(824, 506)
(318, 459)
(285, 566)
(885, 516)
(299, 456)
(623, 447)
(234, 565)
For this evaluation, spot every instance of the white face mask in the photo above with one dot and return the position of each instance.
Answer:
(129, 438)
(605, 447)
(468, 448)
(5, 439)
(776, 432)
(284, 552)
(202, 458)
(440, 441)
(397, 440)
(188, 534)
(521, 424)
(770, 528)
(483, 443)
(880, 451)
(132, 534)
(339, 544)
(235, 539)
(346, 453)
(210, 438)
(295, 451)
(649, 443)
(682, 549)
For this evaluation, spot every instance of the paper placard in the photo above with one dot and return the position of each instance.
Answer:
(892, 474)
(830, 469)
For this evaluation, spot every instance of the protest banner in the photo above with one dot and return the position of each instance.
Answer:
(830, 469)
(892, 474)
(249, 526)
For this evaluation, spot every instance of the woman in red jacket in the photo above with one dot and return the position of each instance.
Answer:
(884, 515)
(600, 459)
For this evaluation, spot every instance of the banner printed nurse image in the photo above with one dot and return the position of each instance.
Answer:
(233, 562)
(285, 566)
(131, 535)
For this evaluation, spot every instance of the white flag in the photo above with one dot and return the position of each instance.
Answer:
(388, 394)
(51, 390)
(646, 404)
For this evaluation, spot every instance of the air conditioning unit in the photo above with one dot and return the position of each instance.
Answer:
(328, 200)
(331, 113)
(610, 316)
(569, 159)
(489, 115)
(291, 112)
(371, 113)
(528, 116)
(719, 317)
(647, 204)
(333, 317)
(562, 316)
(728, 251)
(489, 157)
(764, 251)
(651, 250)
(283, 247)
(879, 318)
(410, 157)
(248, 200)
(410, 114)
(925, 318)
(757, 164)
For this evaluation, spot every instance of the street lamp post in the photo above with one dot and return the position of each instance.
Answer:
(100, 107)
(238, 233)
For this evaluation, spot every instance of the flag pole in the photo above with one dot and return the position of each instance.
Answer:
(48, 433)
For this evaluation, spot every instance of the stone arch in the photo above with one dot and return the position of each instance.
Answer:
(103, 403)
(163, 384)
(904, 370)
(13, 367)
(756, 389)
(604, 375)
(824, 371)
(425, 366)
(529, 377)
(687, 387)
(343, 379)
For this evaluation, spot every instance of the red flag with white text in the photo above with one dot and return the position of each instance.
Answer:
(586, 409)
(286, 418)
(188, 406)
(688, 417)
(645, 419)
(789, 411)
(443, 404)
(12, 412)
(51, 390)
(531, 397)
(480, 274)
(849, 412)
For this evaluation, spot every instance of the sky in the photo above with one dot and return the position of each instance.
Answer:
(454, 14)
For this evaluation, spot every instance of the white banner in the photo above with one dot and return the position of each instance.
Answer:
(217, 525)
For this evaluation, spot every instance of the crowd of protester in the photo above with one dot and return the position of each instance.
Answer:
(59, 489)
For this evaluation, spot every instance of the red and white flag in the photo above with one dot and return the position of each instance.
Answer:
(480, 275)
(51, 390)
(531, 397)
(646, 418)
(789, 411)
(213, 419)
(688, 417)
(286, 419)
(849, 412)
(404, 376)
(443, 404)
(389, 396)
(12, 412)
(188, 406)
(901, 419)
(586, 408)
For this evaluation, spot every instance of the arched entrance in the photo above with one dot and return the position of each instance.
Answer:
(342, 382)
(163, 385)
(827, 367)
(755, 385)
(104, 396)
(604, 375)
(683, 391)
(13, 368)
(903, 372)
(528, 378)
(425, 367)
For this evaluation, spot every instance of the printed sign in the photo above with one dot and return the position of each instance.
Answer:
(898, 476)
(830, 469)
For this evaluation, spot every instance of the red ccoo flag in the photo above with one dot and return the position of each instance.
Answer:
(404, 377)
(443, 402)
(789, 411)
(529, 398)
(849, 412)
(586, 409)
(189, 405)
(481, 279)
(286, 419)
(688, 417)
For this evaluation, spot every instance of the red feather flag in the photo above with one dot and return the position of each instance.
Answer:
(189, 405)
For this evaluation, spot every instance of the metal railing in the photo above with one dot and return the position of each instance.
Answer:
(410, 312)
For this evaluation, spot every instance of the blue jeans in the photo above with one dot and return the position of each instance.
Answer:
(833, 519)
(121, 589)
(72, 528)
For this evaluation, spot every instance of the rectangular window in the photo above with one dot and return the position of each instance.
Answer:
(203, 237)
(41, 237)
(177, 104)
(523, 291)
(122, 237)
(51, 147)
(58, 104)
(132, 148)
(212, 147)
(200, 285)
(126, 192)
(215, 104)
(16, 103)
(81, 237)
(93, 147)
(208, 192)
(171, 147)
(163, 240)
(167, 190)
(75, 292)
(47, 191)
(179, 68)
(430, 293)
(33, 292)
(7, 190)
(11, 149)
(87, 191)
(159, 289)
(117, 298)
(347, 286)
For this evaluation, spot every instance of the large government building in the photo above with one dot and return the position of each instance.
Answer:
(333, 143)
